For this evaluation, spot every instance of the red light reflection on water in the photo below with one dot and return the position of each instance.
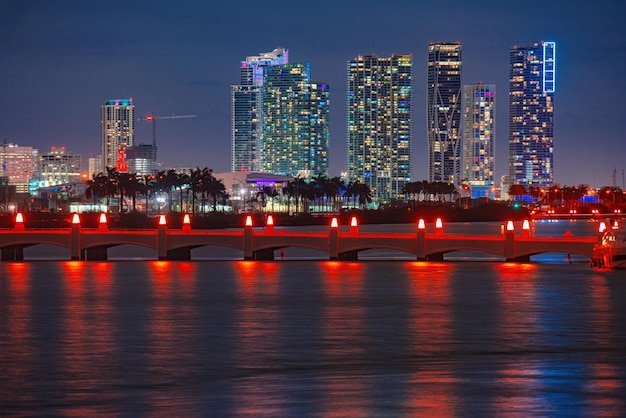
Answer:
(518, 324)
(604, 380)
(18, 338)
(87, 333)
(432, 387)
(257, 330)
(343, 339)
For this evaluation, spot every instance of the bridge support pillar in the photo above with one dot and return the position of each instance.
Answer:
(247, 243)
(333, 244)
(75, 252)
(15, 253)
(509, 246)
(162, 242)
(420, 245)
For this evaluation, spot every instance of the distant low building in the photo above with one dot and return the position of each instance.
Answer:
(243, 186)
(59, 166)
(18, 165)
(141, 159)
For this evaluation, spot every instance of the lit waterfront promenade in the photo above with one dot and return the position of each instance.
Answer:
(260, 244)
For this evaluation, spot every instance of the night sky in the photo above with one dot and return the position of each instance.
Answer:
(61, 60)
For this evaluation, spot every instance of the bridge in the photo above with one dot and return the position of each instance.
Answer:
(261, 243)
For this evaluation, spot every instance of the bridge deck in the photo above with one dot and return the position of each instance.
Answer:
(86, 243)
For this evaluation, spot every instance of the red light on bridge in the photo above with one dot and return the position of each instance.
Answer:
(353, 222)
(334, 223)
(526, 225)
(186, 223)
(269, 226)
(510, 226)
(248, 220)
(162, 220)
(102, 225)
(439, 223)
(602, 227)
(19, 221)
(421, 224)
(75, 219)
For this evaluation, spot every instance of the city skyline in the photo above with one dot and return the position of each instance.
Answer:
(183, 60)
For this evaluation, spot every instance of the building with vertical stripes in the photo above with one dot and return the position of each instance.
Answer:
(479, 139)
(379, 123)
(532, 85)
(443, 112)
(247, 110)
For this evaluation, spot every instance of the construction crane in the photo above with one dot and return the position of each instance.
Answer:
(153, 118)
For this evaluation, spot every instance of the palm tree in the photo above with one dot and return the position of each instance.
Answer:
(96, 187)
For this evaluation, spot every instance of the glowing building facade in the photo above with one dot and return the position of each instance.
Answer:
(443, 112)
(141, 159)
(479, 138)
(118, 132)
(59, 166)
(19, 165)
(379, 123)
(247, 110)
(295, 121)
(531, 111)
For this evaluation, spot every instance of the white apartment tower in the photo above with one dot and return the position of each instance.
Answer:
(118, 132)
(479, 127)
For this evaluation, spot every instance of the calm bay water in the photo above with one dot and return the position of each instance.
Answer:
(312, 338)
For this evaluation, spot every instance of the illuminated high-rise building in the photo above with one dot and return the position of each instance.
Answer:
(531, 112)
(118, 132)
(295, 121)
(379, 123)
(479, 138)
(59, 166)
(247, 110)
(443, 112)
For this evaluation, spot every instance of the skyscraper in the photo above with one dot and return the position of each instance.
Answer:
(247, 110)
(379, 123)
(479, 138)
(295, 121)
(531, 112)
(118, 132)
(443, 112)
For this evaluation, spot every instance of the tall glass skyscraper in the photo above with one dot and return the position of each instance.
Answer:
(118, 132)
(379, 123)
(247, 110)
(479, 138)
(531, 111)
(443, 112)
(295, 121)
